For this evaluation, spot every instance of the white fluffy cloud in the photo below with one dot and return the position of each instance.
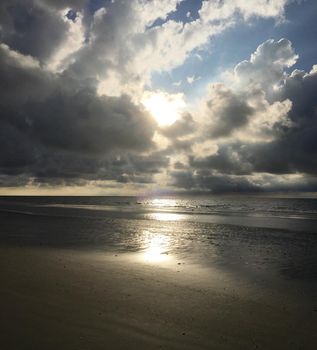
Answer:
(266, 67)
(215, 10)
(246, 106)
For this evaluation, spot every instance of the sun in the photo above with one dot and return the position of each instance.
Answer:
(165, 108)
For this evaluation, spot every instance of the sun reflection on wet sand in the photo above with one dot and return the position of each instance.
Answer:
(166, 216)
(156, 247)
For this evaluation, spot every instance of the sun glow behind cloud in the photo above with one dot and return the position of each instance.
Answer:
(165, 108)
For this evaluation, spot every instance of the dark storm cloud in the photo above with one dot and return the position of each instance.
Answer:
(206, 181)
(287, 143)
(300, 87)
(226, 160)
(180, 146)
(179, 166)
(22, 80)
(67, 168)
(62, 113)
(293, 153)
(82, 122)
(151, 163)
(180, 134)
(55, 127)
(293, 150)
(31, 27)
(14, 181)
(228, 111)
(62, 4)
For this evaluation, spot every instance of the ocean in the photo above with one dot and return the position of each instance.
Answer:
(247, 234)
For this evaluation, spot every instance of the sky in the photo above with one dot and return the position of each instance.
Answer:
(143, 97)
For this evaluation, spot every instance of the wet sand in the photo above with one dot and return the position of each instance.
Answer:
(67, 299)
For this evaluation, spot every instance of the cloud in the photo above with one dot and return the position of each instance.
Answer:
(140, 46)
(74, 39)
(42, 30)
(226, 110)
(62, 4)
(52, 126)
(264, 126)
(71, 92)
(223, 9)
(266, 67)
(294, 148)
(122, 43)
(182, 127)
(226, 160)
(122, 49)
(192, 79)
(205, 181)
(245, 105)
(31, 28)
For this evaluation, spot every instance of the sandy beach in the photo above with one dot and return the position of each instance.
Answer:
(66, 299)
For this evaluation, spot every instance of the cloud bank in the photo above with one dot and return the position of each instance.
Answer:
(71, 89)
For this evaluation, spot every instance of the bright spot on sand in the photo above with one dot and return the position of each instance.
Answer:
(166, 216)
(165, 108)
(156, 247)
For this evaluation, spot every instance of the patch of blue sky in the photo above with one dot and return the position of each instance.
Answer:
(222, 53)
(301, 30)
(95, 5)
(72, 15)
(200, 65)
(236, 44)
(186, 11)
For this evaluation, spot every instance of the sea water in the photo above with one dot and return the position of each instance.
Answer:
(247, 234)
